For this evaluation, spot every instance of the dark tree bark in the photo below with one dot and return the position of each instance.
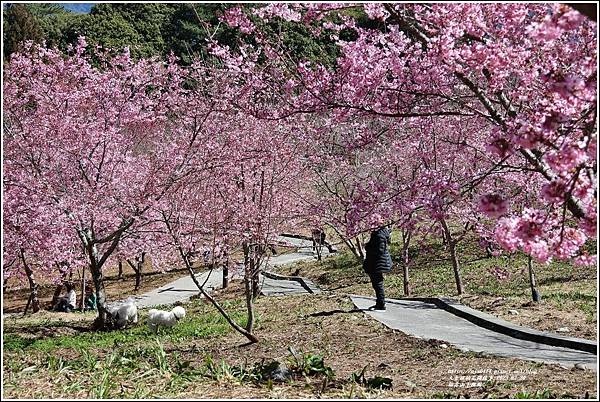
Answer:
(104, 321)
(56, 294)
(63, 275)
(406, 236)
(317, 243)
(452, 242)
(249, 300)
(252, 268)
(138, 269)
(82, 300)
(120, 276)
(226, 271)
(33, 286)
(535, 295)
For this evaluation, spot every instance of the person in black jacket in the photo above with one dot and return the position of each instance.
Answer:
(377, 261)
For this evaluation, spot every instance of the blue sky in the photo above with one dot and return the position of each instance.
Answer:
(78, 7)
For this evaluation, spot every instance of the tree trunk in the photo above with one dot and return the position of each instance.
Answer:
(317, 243)
(249, 300)
(139, 272)
(456, 267)
(249, 335)
(360, 248)
(82, 289)
(103, 320)
(56, 294)
(120, 276)
(444, 240)
(33, 287)
(27, 305)
(252, 268)
(226, 271)
(488, 251)
(63, 274)
(453, 256)
(352, 247)
(406, 235)
(137, 268)
(535, 295)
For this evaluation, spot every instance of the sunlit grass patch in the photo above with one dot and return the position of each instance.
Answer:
(202, 321)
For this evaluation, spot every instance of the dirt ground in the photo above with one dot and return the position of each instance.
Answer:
(15, 300)
(323, 324)
(349, 342)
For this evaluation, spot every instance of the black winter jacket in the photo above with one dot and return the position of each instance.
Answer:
(378, 258)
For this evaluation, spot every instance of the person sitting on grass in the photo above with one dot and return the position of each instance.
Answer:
(67, 303)
(90, 300)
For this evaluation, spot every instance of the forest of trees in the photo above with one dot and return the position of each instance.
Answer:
(151, 29)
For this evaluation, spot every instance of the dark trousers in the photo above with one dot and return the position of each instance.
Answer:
(377, 282)
(63, 306)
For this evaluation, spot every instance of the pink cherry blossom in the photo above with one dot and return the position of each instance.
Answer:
(493, 205)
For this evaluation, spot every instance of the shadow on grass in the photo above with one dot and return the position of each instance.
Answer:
(53, 329)
(338, 311)
(344, 286)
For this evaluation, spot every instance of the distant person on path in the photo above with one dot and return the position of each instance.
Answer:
(318, 240)
(377, 261)
(67, 303)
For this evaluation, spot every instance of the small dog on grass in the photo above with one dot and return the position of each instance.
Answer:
(158, 318)
(125, 314)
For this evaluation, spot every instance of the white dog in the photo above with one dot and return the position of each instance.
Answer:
(157, 318)
(125, 313)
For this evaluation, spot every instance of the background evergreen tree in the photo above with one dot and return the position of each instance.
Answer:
(19, 26)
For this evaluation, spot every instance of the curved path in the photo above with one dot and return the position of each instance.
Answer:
(428, 321)
(413, 317)
(180, 290)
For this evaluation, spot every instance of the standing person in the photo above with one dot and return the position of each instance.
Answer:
(377, 261)
(318, 240)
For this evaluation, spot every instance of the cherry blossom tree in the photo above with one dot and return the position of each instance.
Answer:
(90, 143)
(435, 117)
(525, 71)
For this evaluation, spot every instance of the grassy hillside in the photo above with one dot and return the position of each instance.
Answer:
(323, 340)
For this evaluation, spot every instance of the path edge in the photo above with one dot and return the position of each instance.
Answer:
(504, 327)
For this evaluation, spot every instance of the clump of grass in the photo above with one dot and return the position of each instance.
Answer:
(309, 364)
(376, 382)
(538, 394)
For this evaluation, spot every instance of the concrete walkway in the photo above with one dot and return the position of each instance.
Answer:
(413, 317)
(178, 291)
(426, 320)
(182, 289)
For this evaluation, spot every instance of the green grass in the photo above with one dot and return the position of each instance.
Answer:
(562, 285)
(431, 272)
(135, 363)
(205, 323)
(539, 394)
